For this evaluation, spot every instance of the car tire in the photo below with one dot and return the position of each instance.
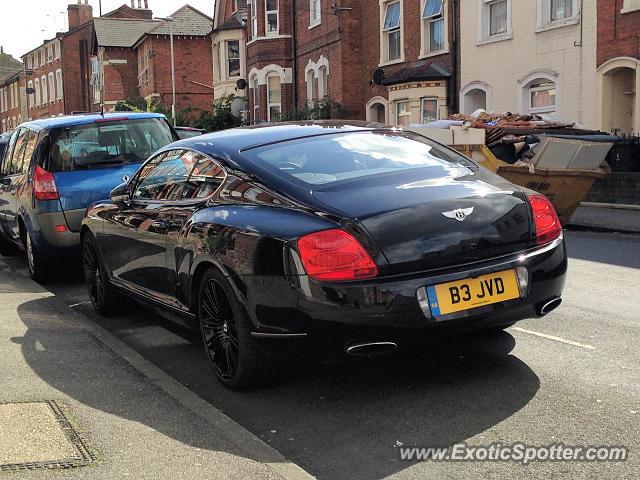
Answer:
(36, 263)
(234, 355)
(104, 298)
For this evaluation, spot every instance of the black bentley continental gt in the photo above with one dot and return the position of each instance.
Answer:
(322, 240)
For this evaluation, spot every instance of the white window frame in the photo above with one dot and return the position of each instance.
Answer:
(275, 104)
(49, 50)
(630, 6)
(30, 97)
(542, 88)
(315, 13)
(543, 16)
(267, 33)
(38, 98)
(254, 18)
(484, 23)
(323, 82)
(59, 84)
(228, 59)
(255, 85)
(396, 105)
(424, 99)
(44, 90)
(524, 91)
(57, 50)
(385, 33)
(425, 29)
(310, 78)
(143, 66)
(52, 87)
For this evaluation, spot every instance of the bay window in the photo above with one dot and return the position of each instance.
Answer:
(403, 113)
(274, 98)
(391, 32)
(429, 110)
(233, 58)
(271, 17)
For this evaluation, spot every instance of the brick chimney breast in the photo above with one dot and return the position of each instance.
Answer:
(79, 14)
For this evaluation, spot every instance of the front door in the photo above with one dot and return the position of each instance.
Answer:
(134, 239)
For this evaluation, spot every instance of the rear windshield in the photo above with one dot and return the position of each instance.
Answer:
(106, 144)
(332, 158)
(187, 133)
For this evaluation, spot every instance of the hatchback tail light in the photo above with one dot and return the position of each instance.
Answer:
(547, 223)
(44, 185)
(335, 255)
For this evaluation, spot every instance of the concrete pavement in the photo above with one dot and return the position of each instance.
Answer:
(606, 218)
(135, 420)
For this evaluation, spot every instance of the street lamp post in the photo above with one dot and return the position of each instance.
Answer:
(169, 20)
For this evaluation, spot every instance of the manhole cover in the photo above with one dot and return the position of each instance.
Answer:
(38, 435)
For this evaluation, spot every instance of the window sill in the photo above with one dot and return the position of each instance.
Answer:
(314, 25)
(567, 22)
(268, 37)
(433, 54)
(630, 9)
(495, 39)
(391, 62)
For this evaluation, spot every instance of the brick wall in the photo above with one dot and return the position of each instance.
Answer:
(120, 75)
(53, 106)
(15, 110)
(194, 75)
(618, 33)
(76, 69)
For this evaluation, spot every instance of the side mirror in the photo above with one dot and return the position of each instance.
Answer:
(4, 180)
(121, 195)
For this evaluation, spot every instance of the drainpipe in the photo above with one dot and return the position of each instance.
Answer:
(294, 63)
(453, 88)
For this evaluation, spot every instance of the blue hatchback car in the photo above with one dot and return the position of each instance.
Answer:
(53, 169)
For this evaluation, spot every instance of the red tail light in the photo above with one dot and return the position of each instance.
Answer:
(44, 185)
(334, 255)
(547, 223)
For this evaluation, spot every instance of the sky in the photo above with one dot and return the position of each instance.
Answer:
(24, 24)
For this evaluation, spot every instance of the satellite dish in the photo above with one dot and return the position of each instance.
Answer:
(241, 84)
(378, 76)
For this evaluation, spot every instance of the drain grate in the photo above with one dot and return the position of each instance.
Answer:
(37, 435)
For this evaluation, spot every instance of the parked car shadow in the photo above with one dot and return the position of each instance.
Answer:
(336, 420)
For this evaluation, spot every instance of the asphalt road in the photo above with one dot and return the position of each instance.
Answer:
(572, 377)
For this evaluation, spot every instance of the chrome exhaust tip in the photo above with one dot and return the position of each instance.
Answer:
(549, 306)
(370, 349)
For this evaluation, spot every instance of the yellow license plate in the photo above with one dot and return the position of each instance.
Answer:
(471, 293)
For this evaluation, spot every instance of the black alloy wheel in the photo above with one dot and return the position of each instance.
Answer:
(219, 330)
(233, 353)
(99, 289)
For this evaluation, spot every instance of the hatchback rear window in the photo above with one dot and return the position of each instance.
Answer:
(106, 144)
(332, 158)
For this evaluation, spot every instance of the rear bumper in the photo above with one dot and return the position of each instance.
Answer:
(66, 240)
(326, 318)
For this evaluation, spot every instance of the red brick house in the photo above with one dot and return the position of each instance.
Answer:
(618, 65)
(44, 75)
(306, 50)
(228, 44)
(12, 92)
(192, 52)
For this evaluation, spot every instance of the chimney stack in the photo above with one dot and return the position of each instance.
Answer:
(79, 13)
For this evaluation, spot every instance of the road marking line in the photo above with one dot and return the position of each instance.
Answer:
(557, 339)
